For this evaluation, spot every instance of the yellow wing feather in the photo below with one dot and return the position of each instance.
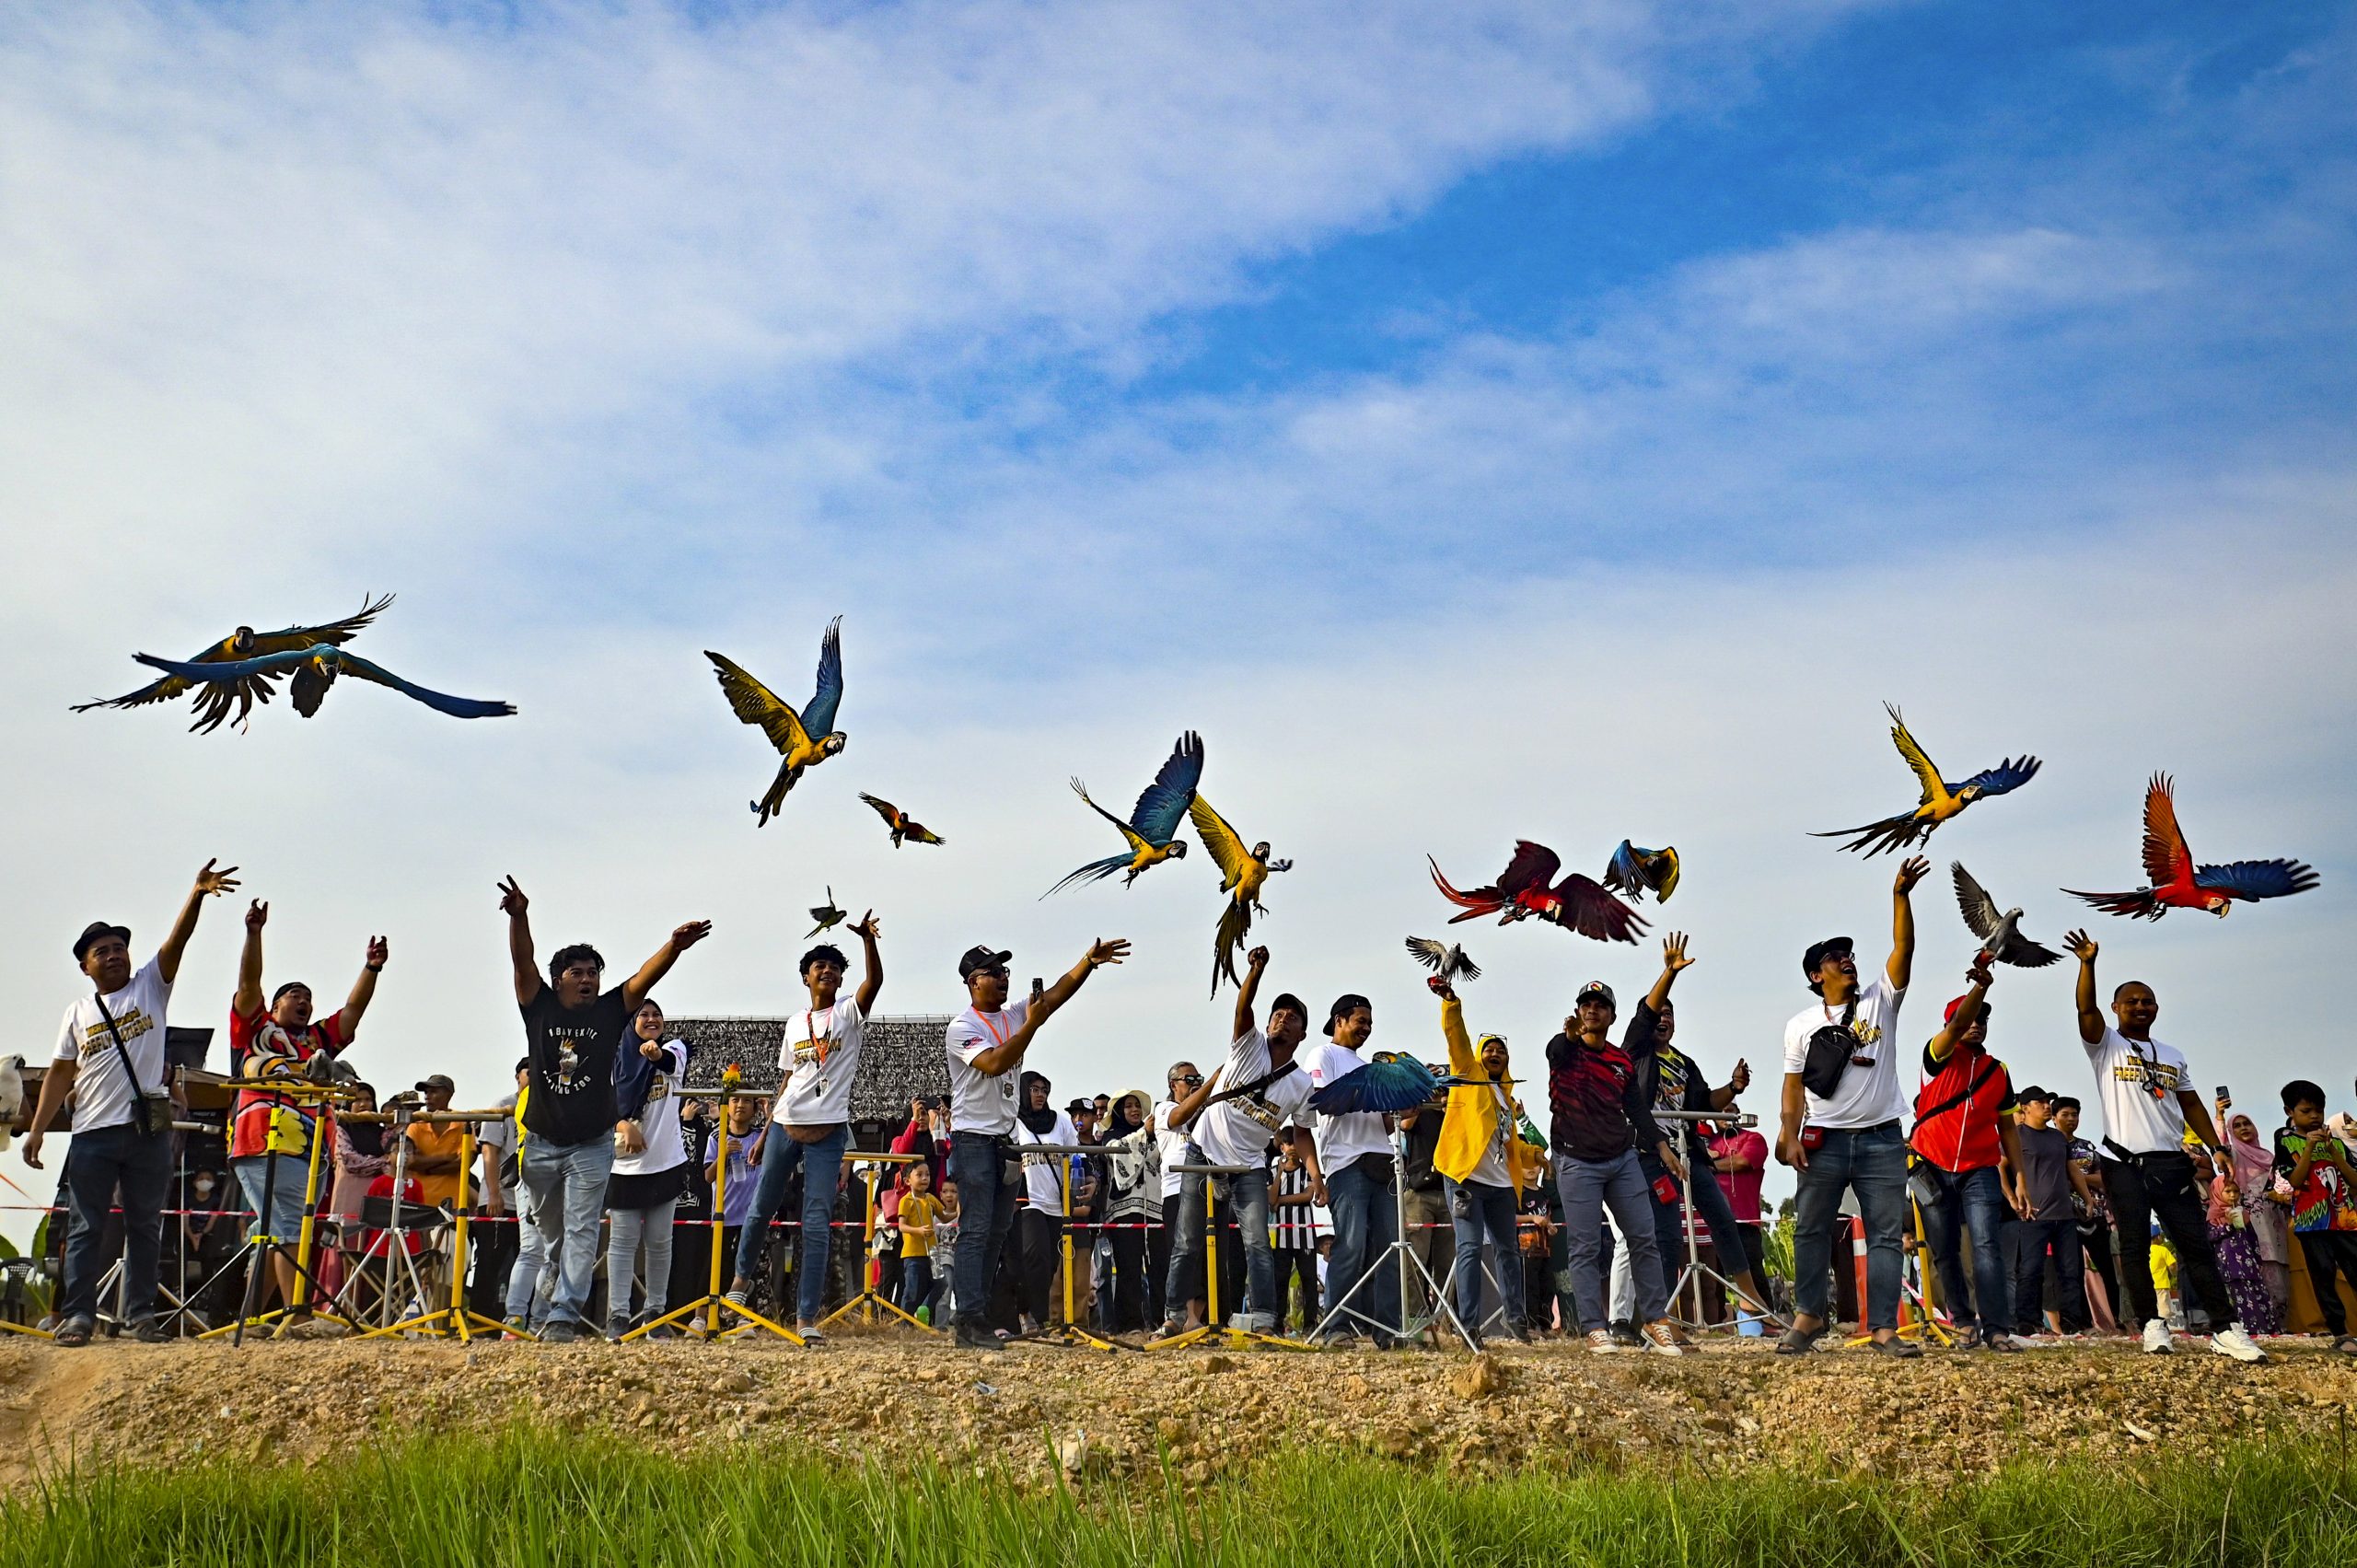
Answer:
(1228, 851)
(756, 705)
(1935, 788)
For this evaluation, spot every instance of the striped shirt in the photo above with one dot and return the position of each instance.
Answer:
(1295, 1224)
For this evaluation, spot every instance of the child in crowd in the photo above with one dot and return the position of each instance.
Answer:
(2164, 1279)
(944, 1246)
(919, 1208)
(2323, 1203)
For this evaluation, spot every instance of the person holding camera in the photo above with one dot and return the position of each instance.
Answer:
(123, 1114)
(1840, 1127)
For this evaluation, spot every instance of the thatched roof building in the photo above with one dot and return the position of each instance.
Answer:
(902, 1058)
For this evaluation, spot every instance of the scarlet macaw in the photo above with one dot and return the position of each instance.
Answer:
(1941, 799)
(214, 704)
(901, 824)
(1151, 831)
(1633, 871)
(2178, 883)
(804, 739)
(1577, 904)
(1242, 872)
(315, 669)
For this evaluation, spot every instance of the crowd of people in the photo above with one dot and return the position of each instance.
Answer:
(998, 1205)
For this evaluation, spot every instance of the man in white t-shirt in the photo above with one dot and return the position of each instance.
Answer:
(1233, 1119)
(1356, 1173)
(1842, 1125)
(2148, 1097)
(985, 1045)
(110, 1056)
(810, 1126)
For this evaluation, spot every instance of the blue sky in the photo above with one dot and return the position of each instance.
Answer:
(1566, 419)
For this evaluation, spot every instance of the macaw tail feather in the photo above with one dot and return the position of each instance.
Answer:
(1477, 903)
(1233, 922)
(2141, 904)
(1890, 834)
(1094, 871)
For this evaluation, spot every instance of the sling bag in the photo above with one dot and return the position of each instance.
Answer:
(151, 1111)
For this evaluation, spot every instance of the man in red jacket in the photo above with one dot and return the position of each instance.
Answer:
(1964, 1122)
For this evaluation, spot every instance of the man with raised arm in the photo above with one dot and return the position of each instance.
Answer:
(810, 1127)
(1842, 1109)
(110, 1056)
(282, 1042)
(2148, 1099)
(573, 1116)
(1965, 1134)
(1233, 1116)
(985, 1045)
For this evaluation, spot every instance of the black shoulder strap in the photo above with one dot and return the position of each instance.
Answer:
(1255, 1086)
(128, 1074)
(1979, 1079)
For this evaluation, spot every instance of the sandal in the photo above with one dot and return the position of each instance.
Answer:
(74, 1333)
(2346, 1344)
(1798, 1340)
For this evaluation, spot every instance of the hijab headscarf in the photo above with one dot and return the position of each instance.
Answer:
(1042, 1121)
(2254, 1161)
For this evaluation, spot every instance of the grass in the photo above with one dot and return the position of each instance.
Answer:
(537, 1500)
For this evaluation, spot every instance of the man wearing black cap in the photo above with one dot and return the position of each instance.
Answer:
(123, 1134)
(1602, 1115)
(1354, 1171)
(1842, 1110)
(2046, 1182)
(985, 1045)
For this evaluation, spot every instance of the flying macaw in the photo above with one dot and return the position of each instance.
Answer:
(315, 669)
(217, 698)
(1633, 871)
(1152, 831)
(1577, 904)
(804, 739)
(1242, 872)
(1941, 799)
(1390, 1081)
(2178, 883)
(903, 826)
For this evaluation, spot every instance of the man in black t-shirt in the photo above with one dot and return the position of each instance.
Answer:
(573, 1116)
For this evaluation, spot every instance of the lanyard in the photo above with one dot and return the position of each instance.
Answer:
(810, 1035)
(996, 1039)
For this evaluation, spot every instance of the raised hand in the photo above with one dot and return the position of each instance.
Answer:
(867, 928)
(1741, 1080)
(2082, 946)
(1673, 952)
(379, 951)
(686, 936)
(257, 915)
(215, 882)
(512, 901)
(1257, 959)
(1979, 972)
(1102, 952)
(1912, 871)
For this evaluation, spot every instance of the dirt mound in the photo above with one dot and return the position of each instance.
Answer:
(1041, 1408)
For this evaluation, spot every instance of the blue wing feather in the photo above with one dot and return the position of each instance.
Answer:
(1162, 806)
(440, 701)
(1094, 871)
(2258, 879)
(818, 713)
(231, 671)
(1387, 1083)
(349, 662)
(2007, 775)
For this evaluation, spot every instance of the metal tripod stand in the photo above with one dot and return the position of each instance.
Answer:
(1403, 1258)
(1696, 1271)
(1213, 1329)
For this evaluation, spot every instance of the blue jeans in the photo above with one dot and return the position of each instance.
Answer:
(1361, 1202)
(96, 1163)
(990, 1188)
(1871, 1162)
(568, 1182)
(1478, 1212)
(524, 1278)
(1247, 1196)
(1589, 1187)
(916, 1283)
(2032, 1240)
(821, 1164)
(1973, 1200)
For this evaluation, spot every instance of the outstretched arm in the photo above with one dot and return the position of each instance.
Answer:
(1673, 960)
(364, 989)
(871, 968)
(2090, 1017)
(209, 884)
(659, 962)
(247, 1000)
(1257, 964)
(519, 942)
(999, 1058)
(1903, 922)
(1944, 1043)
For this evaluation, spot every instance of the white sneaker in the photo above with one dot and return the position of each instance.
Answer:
(2234, 1341)
(2156, 1337)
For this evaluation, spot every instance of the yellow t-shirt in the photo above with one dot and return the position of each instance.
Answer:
(2164, 1262)
(427, 1138)
(917, 1211)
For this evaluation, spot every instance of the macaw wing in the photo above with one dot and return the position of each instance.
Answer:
(1162, 804)
(1636, 871)
(1980, 910)
(2005, 777)
(1933, 788)
(335, 633)
(883, 808)
(1592, 913)
(2258, 879)
(1387, 1084)
(1621, 873)
(1128, 834)
(440, 701)
(227, 672)
(1226, 850)
(818, 717)
(917, 833)
(2166, 860)
(756, 705)
(1533, 865)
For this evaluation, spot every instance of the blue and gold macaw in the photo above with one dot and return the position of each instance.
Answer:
(1636, 871)
(804, 739)
(315, 669)
(217, 699)
(1151, 831)
(1941, 799)
(1242, 872)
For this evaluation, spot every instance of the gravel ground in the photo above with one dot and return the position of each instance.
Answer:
(1038, 1408)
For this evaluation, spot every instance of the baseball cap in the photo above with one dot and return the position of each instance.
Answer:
(1344, 1006)
(95, 930)
(1814, 960)
(1948, 1016)
(2034, 1092)
(1598, 990)
(1076, 1107)
(982, 959)
(437, 1081)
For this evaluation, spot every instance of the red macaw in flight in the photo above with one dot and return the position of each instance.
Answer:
(2178, 883)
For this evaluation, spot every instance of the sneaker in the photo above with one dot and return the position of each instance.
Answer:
(1517, 1333)
(1601, 1342)
(1026, 1325)
(1625, 1335)
(75, 1332)
(2234, 1339)
(973, 1336)
(561, 1331)
(147, 1331)
(1797, 1340)
(1904, 1350)
(663, 1331)
(2156, 1337)
(1664, 1338)
(1253, 1322)
(517, 1327)
(738, 1294)
(810, 1333)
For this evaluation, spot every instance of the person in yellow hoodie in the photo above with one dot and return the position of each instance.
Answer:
(1484, 1162)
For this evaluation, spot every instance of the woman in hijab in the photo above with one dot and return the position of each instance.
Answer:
(2254, 1161)
(1134, 1199)
(1040, 1224)
(2239, 1266)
